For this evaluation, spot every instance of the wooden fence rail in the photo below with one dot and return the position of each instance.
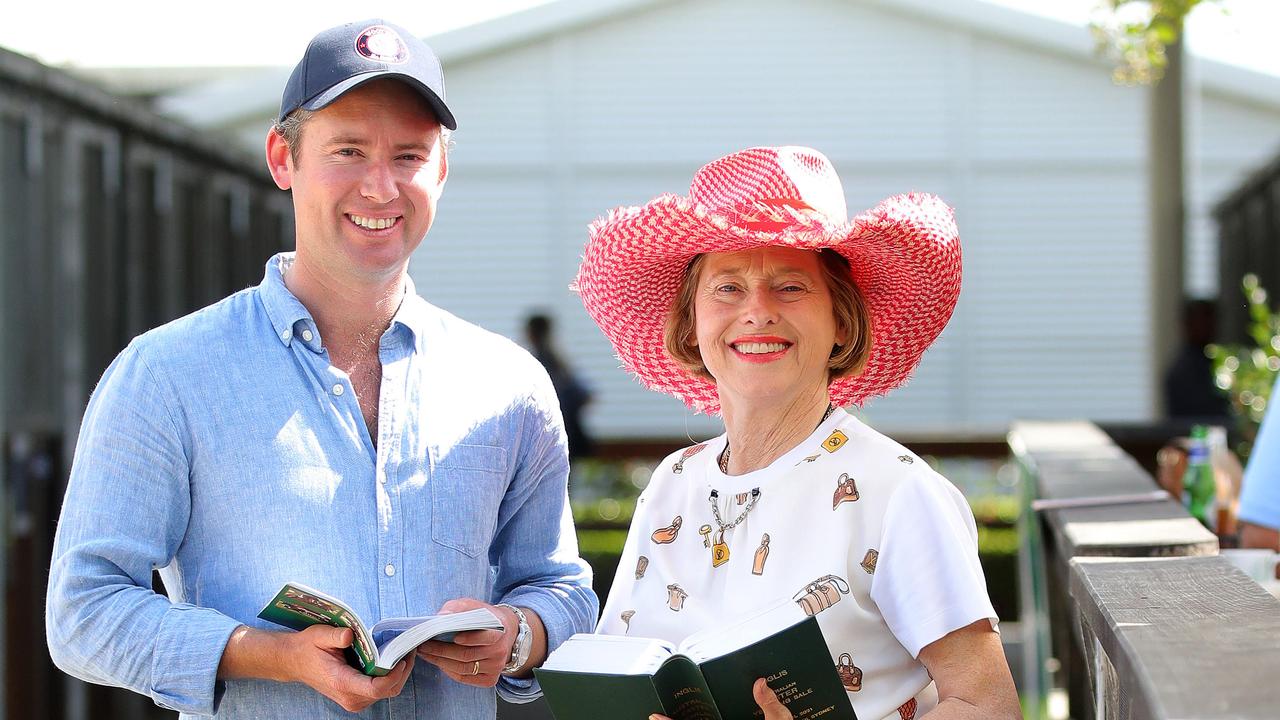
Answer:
(1129, 599)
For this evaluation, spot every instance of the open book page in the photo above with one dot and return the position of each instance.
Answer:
(609, 655)
(741, 632)
(397, 637)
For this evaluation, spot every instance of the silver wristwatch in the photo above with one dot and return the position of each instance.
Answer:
(524, 641)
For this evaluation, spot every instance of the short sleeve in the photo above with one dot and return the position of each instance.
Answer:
(928, 581)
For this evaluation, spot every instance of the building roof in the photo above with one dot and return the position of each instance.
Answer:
(252, 95)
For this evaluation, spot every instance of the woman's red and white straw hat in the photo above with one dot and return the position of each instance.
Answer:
(904, 254)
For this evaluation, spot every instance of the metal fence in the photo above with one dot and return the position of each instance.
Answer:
(1249, 242)
(113, 220)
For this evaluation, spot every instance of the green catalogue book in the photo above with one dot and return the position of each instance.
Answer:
(707, 677)
(376, 649)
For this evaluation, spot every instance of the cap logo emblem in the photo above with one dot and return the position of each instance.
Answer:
(382, 44)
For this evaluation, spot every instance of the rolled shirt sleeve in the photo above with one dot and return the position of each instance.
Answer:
(536, 548)
(125, 513)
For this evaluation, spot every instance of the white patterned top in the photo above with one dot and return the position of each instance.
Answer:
(849, 524)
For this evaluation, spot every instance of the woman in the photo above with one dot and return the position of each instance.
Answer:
(756, 299)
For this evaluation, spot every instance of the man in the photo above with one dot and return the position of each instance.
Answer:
(1259, 510)
(327, 427)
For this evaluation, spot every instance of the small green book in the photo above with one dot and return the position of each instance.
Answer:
(707, 677)
(376, 649)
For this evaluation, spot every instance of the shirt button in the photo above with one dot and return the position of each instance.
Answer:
(306, 335)
(337, 389)
(382, 479)
(390, 569)
(286, 335)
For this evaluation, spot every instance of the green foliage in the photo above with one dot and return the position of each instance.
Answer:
(1134, 34)
(1246, 373)
(994, 540)
(995, 509)
(601, 542)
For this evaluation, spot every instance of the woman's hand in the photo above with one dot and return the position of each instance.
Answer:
(765, 698)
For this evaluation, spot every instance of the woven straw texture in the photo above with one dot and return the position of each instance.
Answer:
(904, 254)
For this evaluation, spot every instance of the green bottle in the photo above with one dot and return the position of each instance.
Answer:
(1199, 488)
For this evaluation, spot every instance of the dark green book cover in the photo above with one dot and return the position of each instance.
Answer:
(795, 661)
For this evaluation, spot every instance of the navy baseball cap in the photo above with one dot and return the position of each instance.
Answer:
(350, 55)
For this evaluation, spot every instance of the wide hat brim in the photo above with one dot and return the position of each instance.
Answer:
(904, 255)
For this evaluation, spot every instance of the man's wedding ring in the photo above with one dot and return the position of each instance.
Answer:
(475, 669)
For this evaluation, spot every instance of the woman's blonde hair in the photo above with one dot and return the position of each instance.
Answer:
(853, 319)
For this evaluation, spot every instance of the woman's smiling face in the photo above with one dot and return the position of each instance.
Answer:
(764, 323)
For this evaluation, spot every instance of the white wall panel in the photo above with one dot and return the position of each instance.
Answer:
(488, 256)
(503, 108)
(697, 79)
(1035, 107)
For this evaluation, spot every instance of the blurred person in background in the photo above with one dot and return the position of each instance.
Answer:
(755, 297)
(1189, 389)
(574, 395)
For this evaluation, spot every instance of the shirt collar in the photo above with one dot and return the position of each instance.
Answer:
(288, 315)
(290, 318)
(414, 312)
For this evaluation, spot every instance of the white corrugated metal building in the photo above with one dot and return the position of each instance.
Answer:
(574, 107)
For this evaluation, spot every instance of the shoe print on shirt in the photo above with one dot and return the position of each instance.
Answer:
(850, 674)
(821, 594)
(626, 619)
(906, 459)
(642, 564)
(666, 535)
(846, 491)
(678, 466)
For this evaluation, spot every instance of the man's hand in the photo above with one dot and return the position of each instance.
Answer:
(313, 657)
(764, 697)
(475, 657)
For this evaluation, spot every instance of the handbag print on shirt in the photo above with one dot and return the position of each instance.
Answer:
(821, 594)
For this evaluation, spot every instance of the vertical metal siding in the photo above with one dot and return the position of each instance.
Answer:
(112, 221)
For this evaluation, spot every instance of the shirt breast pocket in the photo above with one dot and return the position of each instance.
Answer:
(467, 487)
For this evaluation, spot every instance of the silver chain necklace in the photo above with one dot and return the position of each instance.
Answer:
(715, 510)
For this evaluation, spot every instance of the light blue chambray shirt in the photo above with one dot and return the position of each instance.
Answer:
(225, 450)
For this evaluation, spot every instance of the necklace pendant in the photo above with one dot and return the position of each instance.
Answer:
(719, 552)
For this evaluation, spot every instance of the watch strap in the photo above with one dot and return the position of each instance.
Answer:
(524, 640)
